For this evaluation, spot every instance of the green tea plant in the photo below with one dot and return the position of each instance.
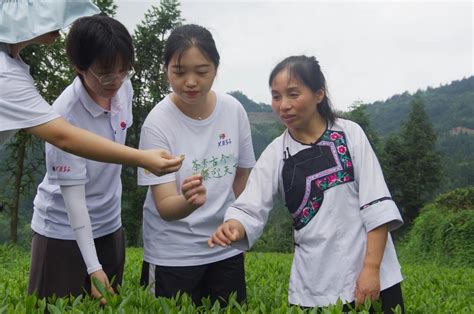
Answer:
(426, 288)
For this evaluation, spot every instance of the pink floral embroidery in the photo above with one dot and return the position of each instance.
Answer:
(332, 178)
(305, 212)
(334, 136)
(318, 183)
(348, 164)
(341, 149)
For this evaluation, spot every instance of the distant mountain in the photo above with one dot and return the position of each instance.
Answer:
(250, 105)
(450, 108)
(451, 111)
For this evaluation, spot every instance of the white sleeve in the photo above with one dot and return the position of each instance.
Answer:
(151, 138)
(252, 207)
(376, 205)
(75, 200)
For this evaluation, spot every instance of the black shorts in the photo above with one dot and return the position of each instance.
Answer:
(216, 280)
(57, 266)
(390, 298)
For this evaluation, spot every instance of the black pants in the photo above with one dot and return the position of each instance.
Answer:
(57, 266)
(216, 280)
(390, 298)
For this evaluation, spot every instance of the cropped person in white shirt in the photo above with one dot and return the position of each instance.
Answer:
(24, 23)
(76, 222)
(332, 184)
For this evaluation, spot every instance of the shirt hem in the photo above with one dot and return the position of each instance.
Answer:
(184, 262)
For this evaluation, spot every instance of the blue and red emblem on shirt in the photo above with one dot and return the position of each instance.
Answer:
(123, 125)
(223, 140)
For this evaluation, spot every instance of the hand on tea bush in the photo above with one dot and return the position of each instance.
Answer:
(100, 278)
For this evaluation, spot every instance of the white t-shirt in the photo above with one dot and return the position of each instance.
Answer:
(102, 181)
(336, 193)
(21, 105)
(214, 147)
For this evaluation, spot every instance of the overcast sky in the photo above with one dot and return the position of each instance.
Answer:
(368, 50)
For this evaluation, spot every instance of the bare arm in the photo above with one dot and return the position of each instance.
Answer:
(173, 206)
(368, 283)
(241, 177)
(91, 146)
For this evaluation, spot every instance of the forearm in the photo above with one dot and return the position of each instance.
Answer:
(376, 241)
(75, 201)
(85, 144)
(240, 181)
(174, 207)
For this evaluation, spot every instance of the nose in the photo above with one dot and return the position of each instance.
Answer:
(285, 104)
(191, 81)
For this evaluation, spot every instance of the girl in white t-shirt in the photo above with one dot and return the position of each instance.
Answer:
(332, 184)
(212, 130)
(24, 23)
(77, 228)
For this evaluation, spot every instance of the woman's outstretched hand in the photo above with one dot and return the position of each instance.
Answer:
(230, 231)
(160, 162)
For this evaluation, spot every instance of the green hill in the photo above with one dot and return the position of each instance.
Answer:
(451, 110)
(449, 107)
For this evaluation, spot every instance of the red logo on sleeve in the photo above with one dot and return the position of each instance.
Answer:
(62, 168)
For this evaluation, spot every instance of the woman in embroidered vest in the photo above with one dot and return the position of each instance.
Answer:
(332, 184)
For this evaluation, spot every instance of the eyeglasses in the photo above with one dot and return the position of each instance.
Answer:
(109, 79)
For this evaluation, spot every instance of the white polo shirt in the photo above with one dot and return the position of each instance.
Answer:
(102, 180)
(21, 105)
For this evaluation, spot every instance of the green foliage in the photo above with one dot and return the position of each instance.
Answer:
(448, 107)
(411, 164)
(457, 157)
(426, 289)
(107, 7)
(457, 200)
(443, 233)
(358, 114)
(278, 233)
(263, 134)
(250, 105)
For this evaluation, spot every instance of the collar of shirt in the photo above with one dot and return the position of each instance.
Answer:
(91, 106)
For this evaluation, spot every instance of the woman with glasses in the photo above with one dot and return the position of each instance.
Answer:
(24, 23)
(76, 222)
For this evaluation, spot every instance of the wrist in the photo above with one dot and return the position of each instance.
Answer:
(372, 265)
(95, 269)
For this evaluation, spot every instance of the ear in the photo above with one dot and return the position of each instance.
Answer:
(320, 95)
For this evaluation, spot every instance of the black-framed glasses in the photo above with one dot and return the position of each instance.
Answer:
(109, 79)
